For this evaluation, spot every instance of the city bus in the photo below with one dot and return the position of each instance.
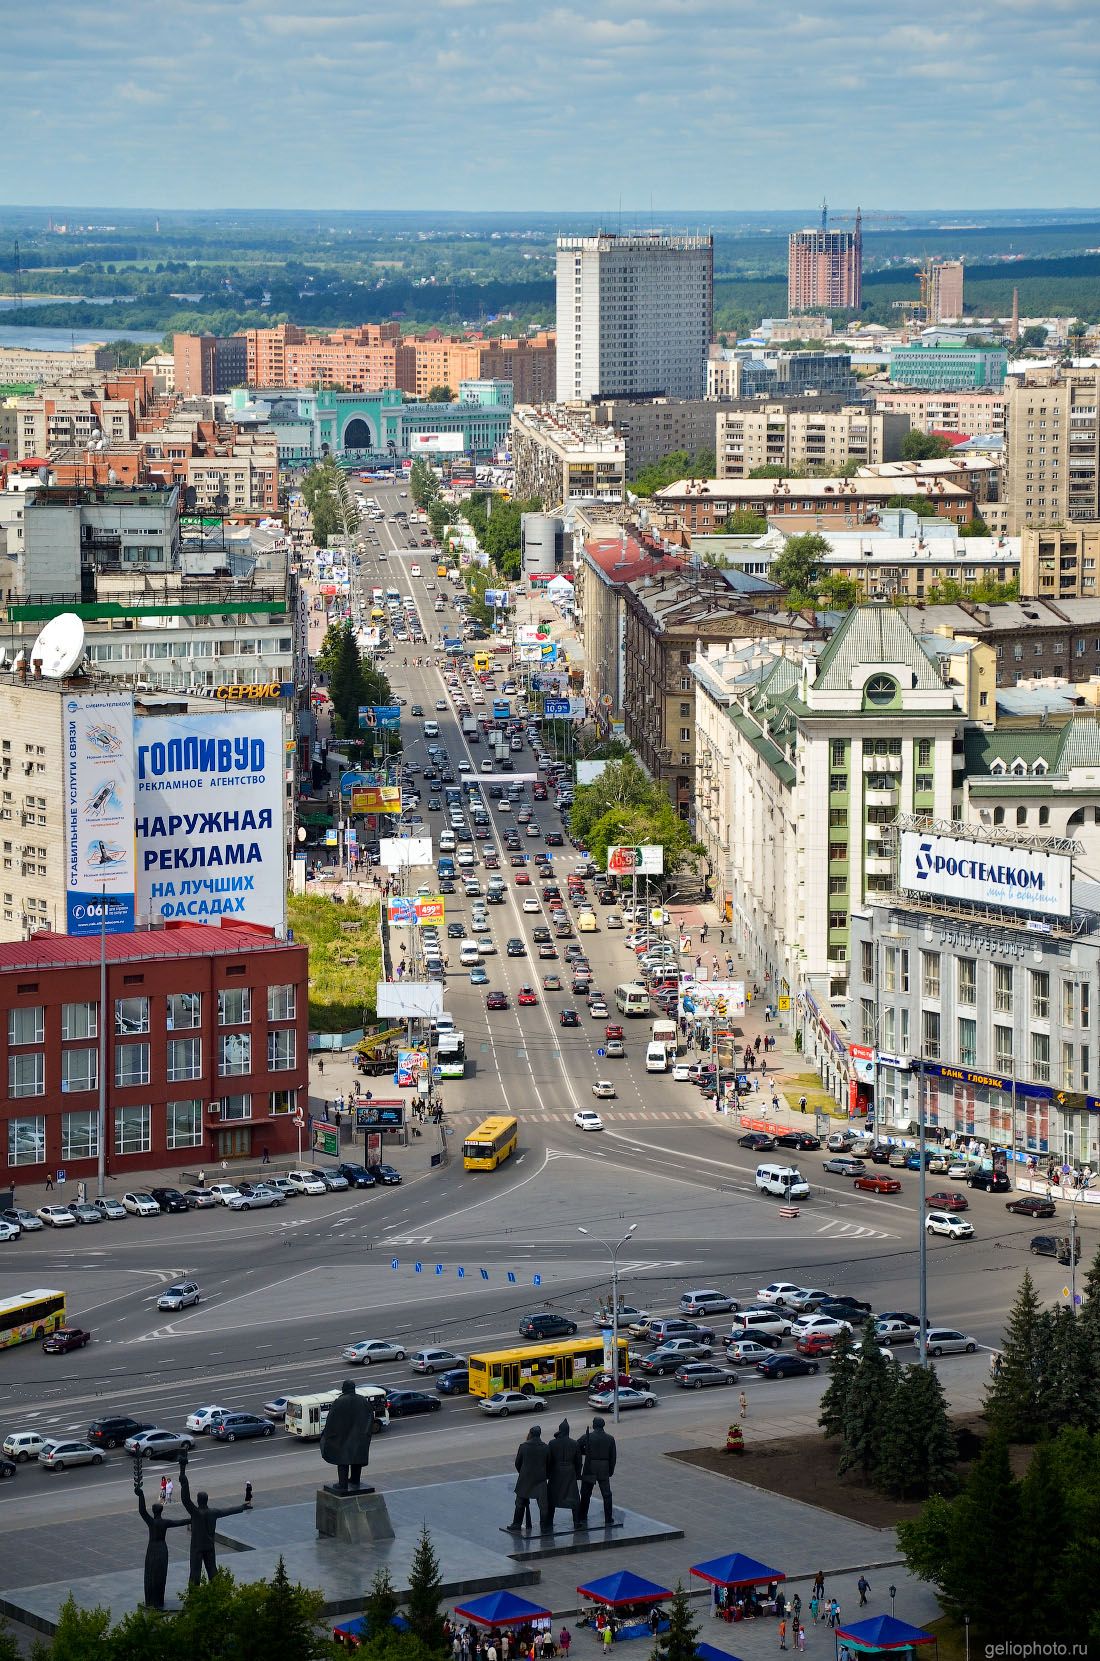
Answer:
(30, 1315)
(490, 1144)
(539, 1369)
(306, 1415)
(450, 1055)
(631, 998)
(501, 711)
(482, 661)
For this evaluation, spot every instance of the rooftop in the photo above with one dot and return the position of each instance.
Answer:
(46, 950)
(766, 490)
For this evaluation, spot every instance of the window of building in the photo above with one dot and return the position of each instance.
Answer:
(838, 784)
(1086, 1004)
(26, 1026)
(930, 974)
(132, 1129)
(867, 961)
(183, 1010)
(966, 980)
(968, 1041)
(281, 1049)
(1069, 1002)
(27, 1140)
(1021, 815)
(930, 1034)
(79, 1070)
(867, 1020)
(1004, 1053)
(1040, 1057)
(838, 850)
(184, 1124)
(1002, 988)
(27, 1074)
(80, 1134)
(923, 782)
(1040, 995)
(236, 1108)
(924, 752)
(282, 1102)
(281, 1003)
(881, 689)
(838, 818)
(1067, 1080)
(184, 1059)
(79, 1021)
(235, 1007)
(234, 1054)
(838, 884)
(131, 1015)
(838, 919)
(131, 1064)
(836, 752)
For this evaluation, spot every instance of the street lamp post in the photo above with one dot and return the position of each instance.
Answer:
(613, 1253)
(893, 1595)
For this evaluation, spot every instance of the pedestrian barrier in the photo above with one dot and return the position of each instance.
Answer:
(788, 1211)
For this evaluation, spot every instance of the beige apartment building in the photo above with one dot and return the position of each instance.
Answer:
(946, 412)
(1060, 562)
(26, 365)
(806, 440)
(32, 874)
(560, 455)
(1053, 471)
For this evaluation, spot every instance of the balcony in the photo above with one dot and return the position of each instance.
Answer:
(879, 867)
(881, 764)
(881, 798)
(879, 833)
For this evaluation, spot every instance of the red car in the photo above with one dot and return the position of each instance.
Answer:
(948, 1202)
(815, 1343)
(878, 1185)
(526, 995)
(66, 1338)
(612, 1030)
(523, 879)
(496, 1000)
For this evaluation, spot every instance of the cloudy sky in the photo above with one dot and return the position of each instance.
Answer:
(514, 104)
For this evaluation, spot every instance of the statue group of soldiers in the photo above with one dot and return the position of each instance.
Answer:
(562, 1473)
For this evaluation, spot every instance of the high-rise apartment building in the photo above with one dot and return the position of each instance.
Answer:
(634, 315)
(1053, 472)
(825, 268)
(805, 440)
(941, 290)
(209, 364)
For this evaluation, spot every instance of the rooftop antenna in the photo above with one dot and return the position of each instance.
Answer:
(824, 214)
(16, 279)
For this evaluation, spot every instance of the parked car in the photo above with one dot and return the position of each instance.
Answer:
(800, 1139)
(1031, 1205)
(170, 1199)
(238, 1427)
(787, 1365)
(749, 1351)
(259, 1197)
(545, 1325)
(66, 1338)
(991, 1182)
(56, 1216)
(334, 1180)
(199, 1199)
(159, 1444)
(27, 1221)
(815, 1344)
(357, 1175)
(707, 1301)
(701, 1375)
(388, 1175)
(140, 1204)
(59, 1455)
(948, 1201)
(304, 1182)
(941, 1340)
(12, 1231)
(84, 1212)
(504, 1402)
(894, 1330)
(778, 1292)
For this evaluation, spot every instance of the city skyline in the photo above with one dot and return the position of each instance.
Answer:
(468, 104)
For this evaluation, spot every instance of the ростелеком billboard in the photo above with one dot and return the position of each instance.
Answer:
(99, 813)
(209, 792)
(985, 873)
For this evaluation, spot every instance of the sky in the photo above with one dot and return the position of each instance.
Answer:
(531, 104)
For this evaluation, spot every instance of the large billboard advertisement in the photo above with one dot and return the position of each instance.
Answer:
(984, 873)
(451, 444)
(646, 861)
(210, 792)
(99, 813)
(711, 1000)
(376, 798)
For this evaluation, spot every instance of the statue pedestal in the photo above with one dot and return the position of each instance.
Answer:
(356, 1518)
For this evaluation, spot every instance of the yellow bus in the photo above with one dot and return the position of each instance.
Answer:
(490, 1144)
(565, 1364)
(482, 663)
(30, 1315)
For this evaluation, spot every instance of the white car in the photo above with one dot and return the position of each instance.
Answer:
(304, 1182)
(587, 1119)
(530, 903)
(778, 1291)
(414, 571)
(503, 1402)
(628, 1397)
(56, 1216)
(820, 1326)
(223, 1192)
(110, 1209)
(9, 1231)
(361, 1354)
(203, 1418)
(22, 1445)
(681, 1073)
(603, 1089)
(139, 1204)
(960, 1169)
(942, 1340)
(945, 1222)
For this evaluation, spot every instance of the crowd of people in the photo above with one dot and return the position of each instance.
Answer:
(534, 1641)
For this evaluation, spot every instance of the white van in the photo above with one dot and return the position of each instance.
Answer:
(783, 1181)
(431, 729)
(656, 1058)
(469, 956)
(447, 842)
(444, 1021)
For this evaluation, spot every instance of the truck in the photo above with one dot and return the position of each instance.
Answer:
(470, 730)
(666, 1033)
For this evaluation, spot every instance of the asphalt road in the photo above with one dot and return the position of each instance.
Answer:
(283, 1291)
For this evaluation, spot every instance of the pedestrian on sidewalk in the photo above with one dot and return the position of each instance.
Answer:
(163, 1490)
(743, 1403)
(266, 1159)
(815, 1606)
(863, 1586)
(796, 1607)
(834, 1614)
(802, 1104)
(721, 937)
(783, 1634)
(169, 1490)
(49, 1181)
(819, 1584)
(321, 1066)
(800, 1638)
(565, 1639)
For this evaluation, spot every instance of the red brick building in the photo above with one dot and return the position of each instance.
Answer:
(206, 1050)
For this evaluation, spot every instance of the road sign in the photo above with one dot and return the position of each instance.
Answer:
(437, 1072)
(601, 1052)
(61, 1175)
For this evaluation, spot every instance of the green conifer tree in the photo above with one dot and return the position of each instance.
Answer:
(681, 1640)
(422, 1608)
(381, 1603)
(837, 1393)
(873, 1386)
(1013, 1400)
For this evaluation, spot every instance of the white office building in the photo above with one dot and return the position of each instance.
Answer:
(634, 315)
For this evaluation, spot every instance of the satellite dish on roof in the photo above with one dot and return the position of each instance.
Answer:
(60, 646)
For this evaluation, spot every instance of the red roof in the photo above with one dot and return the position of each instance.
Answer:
(626, 561)
(46, 950)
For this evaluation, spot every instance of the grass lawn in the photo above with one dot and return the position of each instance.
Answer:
(345, 959)
(818, 1100)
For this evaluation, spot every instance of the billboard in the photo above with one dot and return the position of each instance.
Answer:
(430, 908)
(376, 798)
(556, 709)
(397, 852)
(400, 912)
(713, 1000)
(210, 794)
(646, 861)
(405, 1000)
(985, 873)
(98, 739)
(374, 716)
(451, 444)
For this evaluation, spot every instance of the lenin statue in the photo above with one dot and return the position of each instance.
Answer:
(345, 1440)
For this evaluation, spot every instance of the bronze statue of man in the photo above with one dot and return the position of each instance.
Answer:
(346, 1438)
(598, 1452)
(564, 1472)
(156, 1552)
(204, 1526)
(532, 1463)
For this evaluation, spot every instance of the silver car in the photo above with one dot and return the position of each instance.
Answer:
(256, 1199)
(366, 1350)
(26, 1220)
(159, 1444)
(944, 1340)
(85, 1212)
(503, 1402)
(111, 1210)
(58, 1454)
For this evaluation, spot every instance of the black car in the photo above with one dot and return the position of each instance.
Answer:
(569, 1018)
(758, 1140)
(800, 1139)
(111, 1433)
(1055, 1245)
(454, 1382)
(7, 1468)
(516, 948)
(357, 1175)
(1031, 1205)
(991, 1182)
(388, 1175)
(547, 1326)
(402, 1404)
(786, 1366)
(842, 1300)
(879, 1154)
(170, 1199)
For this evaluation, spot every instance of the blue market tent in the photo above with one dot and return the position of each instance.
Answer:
(882, 1633)
(735, 1569)
(623, 1587)
(707, 1652)
(501, 1609)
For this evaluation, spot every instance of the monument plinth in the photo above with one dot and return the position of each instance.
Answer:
(356, 1518)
